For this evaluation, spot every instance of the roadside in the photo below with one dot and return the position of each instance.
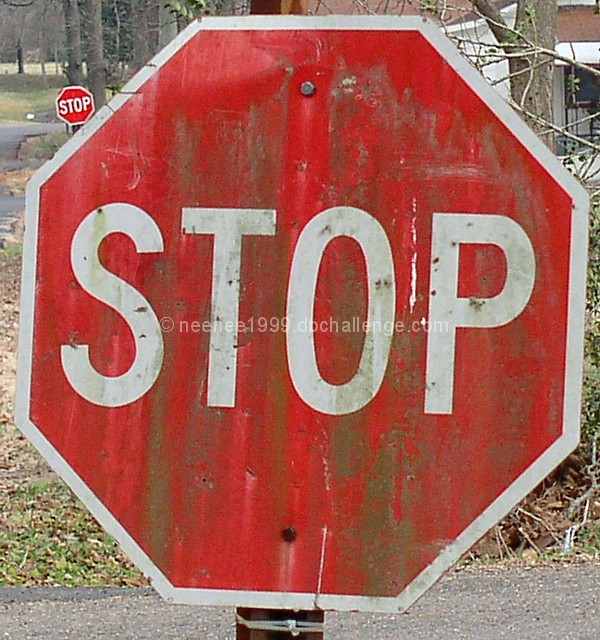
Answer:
(29, 97)
(27, 113)
(533, 604)
(23, 148)
(13, 135)
(46, 536)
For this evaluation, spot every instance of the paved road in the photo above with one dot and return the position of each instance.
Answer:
(11, 137)
(560, 603)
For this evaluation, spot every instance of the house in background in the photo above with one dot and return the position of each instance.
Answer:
(576, 91)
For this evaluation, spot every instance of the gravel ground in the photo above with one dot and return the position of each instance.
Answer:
(561, 602)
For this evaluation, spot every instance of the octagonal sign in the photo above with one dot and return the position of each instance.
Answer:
(75, 105)
(303, 312)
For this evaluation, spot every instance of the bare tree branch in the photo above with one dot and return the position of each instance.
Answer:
(502, 32)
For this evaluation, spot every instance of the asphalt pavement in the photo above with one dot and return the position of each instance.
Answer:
(13, 134)
(11, 138)
(557, 602)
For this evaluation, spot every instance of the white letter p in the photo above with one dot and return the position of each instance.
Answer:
(450, 230)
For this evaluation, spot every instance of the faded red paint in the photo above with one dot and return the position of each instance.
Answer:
(207, 492)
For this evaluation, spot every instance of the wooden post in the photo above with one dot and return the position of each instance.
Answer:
(279, 7)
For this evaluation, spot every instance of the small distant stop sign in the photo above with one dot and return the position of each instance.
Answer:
(303, 314)
(75, 105)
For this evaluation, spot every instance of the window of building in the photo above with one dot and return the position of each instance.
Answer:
(582, 111)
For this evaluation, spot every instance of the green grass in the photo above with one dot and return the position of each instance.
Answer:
(12, 251)
(44, 147)
(20, 95)
(588, 539)
(48, 538)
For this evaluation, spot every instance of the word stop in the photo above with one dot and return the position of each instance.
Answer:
(229, 227)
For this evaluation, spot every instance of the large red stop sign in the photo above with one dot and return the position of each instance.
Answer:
(303, 317)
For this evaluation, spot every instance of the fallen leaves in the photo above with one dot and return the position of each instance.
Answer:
(17, 180)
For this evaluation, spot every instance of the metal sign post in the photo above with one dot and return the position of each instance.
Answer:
(278, 624)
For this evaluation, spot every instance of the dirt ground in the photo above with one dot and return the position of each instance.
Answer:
(19, 462)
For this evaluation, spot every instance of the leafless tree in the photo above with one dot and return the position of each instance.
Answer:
(531, 69)
(74, 68)
(95, 50)
(529, 49)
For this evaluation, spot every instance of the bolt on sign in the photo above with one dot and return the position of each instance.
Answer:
(303, 312)
(75, 105)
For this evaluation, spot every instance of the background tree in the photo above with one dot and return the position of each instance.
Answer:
(43, 38)
(145, 31)
(117, 18)
(74, 62)
(18, 12)
(20, 51)
(96, 71)
(168, 25)
(531, 69)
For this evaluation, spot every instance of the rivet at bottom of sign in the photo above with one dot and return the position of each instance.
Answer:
(289, 534)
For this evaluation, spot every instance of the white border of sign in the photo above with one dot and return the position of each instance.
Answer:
(502, 505)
